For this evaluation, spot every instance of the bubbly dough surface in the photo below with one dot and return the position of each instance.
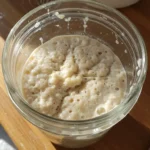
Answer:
(73, 77)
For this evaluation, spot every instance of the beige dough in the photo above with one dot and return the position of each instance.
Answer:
(73, 77)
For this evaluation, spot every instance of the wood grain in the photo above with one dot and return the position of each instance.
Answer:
(127, 135)
(133, 133)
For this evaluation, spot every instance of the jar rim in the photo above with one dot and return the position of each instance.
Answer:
(97, 4)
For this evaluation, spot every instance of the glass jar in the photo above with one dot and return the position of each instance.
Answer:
(82, 17)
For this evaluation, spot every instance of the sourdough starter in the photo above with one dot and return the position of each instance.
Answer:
(73, 77)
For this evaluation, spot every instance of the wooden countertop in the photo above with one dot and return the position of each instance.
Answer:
(133, 133)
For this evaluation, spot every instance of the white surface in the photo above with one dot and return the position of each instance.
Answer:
(5, 146)
(118, 3)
